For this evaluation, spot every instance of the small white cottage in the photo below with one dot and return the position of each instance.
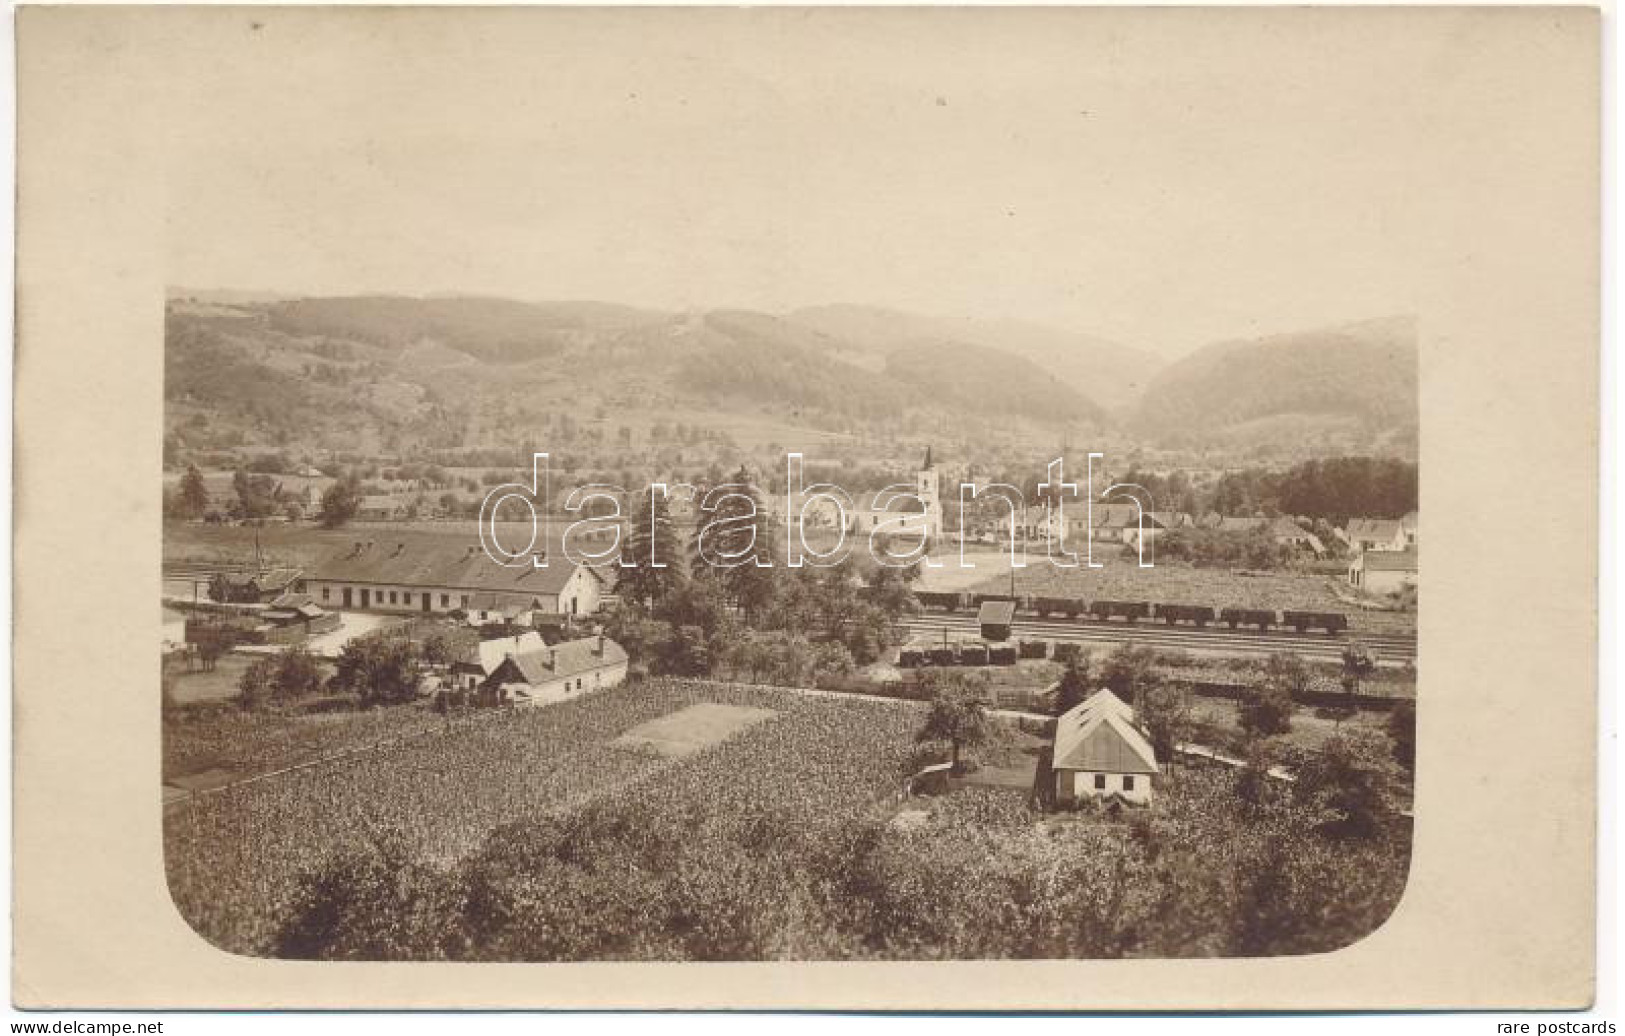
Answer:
(1101, 754)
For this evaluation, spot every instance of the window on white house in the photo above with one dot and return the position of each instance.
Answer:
(1128, 782)
(1100, 782)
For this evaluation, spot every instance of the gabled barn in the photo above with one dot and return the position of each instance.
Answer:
(434, 575)
(1100, 753)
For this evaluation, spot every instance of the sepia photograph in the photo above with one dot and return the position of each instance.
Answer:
(713, 513)
(806, 509)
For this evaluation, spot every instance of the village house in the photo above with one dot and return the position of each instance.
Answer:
(525, 670)
(1289, 533)
(1112, 522)
(1409, 524)
(1154, 524)
(1384, 571)
(436, 575)
(1376, 534)
(1100, 753)
(380, 509)
(1040, 523)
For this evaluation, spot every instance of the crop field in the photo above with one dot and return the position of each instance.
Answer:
(241, 744)
(536, 836)
(689, 730)
(234, 857)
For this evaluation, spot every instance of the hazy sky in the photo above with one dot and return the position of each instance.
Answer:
(1162, 182)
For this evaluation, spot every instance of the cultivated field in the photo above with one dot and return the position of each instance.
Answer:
(233, 857)
(775, 832)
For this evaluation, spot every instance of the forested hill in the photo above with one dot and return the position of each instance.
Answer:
(1358, 379)
(465, 371)
(1108, 373)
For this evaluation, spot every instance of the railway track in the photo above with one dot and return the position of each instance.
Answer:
(1388, 648)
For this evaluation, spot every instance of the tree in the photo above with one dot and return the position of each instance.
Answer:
(1165, 714)
(194, 498)
(734, 547)
(1073, 689)
(255, 494)
(1289, 671)
(651, 565)
(1253, 780)
(379, 669)
(1353, 778)
(891, 589)
(688, 653)
(209, 650)
(340, 501)
(255, 686)
(645, 639)
(296, 673)
(1266, 710)
(831, 659)
(1128, 669)
(1402, 731)
(957, 714)
(438, 648)
(373, 900)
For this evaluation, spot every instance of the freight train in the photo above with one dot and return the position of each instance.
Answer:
(1133, 611)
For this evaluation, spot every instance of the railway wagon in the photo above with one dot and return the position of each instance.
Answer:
(1001, 654)
(980, 599)
(1133, 611)
(1200, 614)
(973, 654)
(1260, 617)
(1033, 648)
(947, 600)
(1332, 622)
(1044, 607)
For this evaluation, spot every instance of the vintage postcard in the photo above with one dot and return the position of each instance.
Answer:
(916, 508)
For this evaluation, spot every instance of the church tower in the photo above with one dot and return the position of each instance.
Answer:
(925, 487)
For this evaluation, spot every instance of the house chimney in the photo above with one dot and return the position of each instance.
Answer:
(598, 639)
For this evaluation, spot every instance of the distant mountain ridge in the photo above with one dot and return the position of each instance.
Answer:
(444, 369)
(1360, 375)
(419, 368)
(1106, 373)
